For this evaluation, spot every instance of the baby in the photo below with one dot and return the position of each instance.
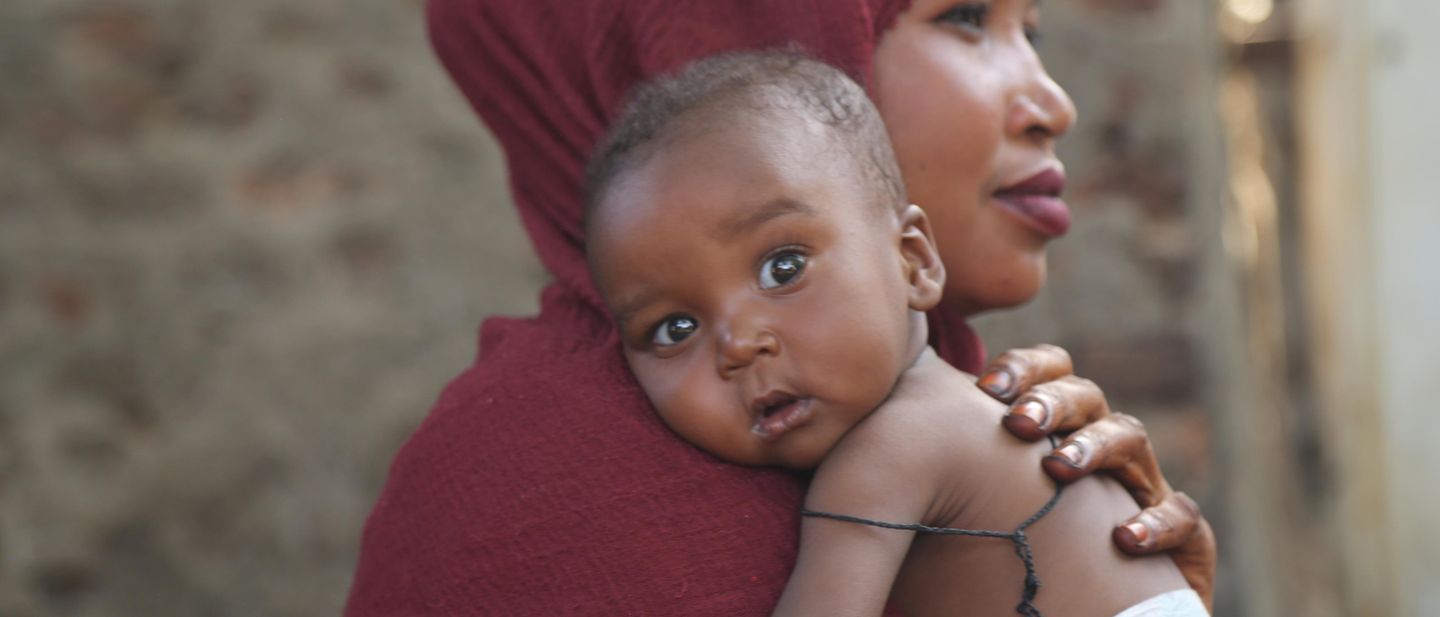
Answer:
(747, 225)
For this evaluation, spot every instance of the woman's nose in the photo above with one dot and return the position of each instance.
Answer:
(741, 346)
(1040, 110)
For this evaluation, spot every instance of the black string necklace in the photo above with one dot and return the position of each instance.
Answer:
(1017, 537)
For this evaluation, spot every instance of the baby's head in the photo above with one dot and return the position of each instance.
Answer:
(747, 225)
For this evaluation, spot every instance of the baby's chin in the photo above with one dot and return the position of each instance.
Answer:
(801, 456)
(795, 457)
(803, 463)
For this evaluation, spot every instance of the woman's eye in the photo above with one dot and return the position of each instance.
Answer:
(967, 15)
(781, 269)
(674, 329)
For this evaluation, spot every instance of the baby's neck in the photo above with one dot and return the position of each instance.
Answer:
(925, 367)
(917, 345)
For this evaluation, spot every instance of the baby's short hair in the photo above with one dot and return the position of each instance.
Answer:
(745, 82)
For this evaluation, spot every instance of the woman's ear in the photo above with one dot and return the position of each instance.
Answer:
(924, 272)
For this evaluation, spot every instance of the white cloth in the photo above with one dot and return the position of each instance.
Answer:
(1179, 603)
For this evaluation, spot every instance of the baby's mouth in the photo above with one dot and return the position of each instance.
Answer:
(777, 412)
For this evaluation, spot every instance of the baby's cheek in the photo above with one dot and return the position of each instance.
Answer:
(657, 383)
(683, 396)
(660, 383)
(881, 354)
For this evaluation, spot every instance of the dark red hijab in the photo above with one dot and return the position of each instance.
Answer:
(542, 483)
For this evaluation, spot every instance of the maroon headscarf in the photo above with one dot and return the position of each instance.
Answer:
(542, 482)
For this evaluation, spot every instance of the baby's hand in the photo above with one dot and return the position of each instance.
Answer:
(1046, 397)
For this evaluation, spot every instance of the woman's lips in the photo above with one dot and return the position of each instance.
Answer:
(778, 413)
(1036, 202)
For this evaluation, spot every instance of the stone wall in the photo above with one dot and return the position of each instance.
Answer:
(244, 244)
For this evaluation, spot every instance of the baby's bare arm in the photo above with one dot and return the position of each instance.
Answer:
(847, 568)
(882, 470)
(844, 569)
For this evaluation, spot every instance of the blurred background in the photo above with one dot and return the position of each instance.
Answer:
(243, 245)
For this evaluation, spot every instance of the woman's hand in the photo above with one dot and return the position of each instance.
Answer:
(1046, 397)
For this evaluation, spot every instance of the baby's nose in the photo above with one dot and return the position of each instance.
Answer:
(739, 349)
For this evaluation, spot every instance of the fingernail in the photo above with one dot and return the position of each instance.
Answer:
(1072, 453)
(998, 382)
(1035, 410)
(1140, 532)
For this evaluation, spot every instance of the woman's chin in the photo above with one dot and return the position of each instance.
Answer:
(998, 290)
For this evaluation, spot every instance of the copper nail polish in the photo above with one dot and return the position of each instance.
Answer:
(1035, 410)
(1140, 532)
(1072, 453)
(998, 382)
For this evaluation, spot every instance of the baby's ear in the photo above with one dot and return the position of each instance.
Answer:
(924, 272)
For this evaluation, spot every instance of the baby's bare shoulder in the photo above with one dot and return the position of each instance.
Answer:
(937, 412)
(940, 432)
(935, 422)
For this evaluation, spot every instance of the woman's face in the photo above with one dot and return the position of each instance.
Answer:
(974, 118)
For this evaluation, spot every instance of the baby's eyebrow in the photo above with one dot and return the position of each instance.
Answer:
(768, 211)
(625, 309)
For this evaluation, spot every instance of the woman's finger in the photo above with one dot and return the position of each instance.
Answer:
(1170, 521)
(1062, 405)
(1163, 526)
(1176, 526)
(1018, 370)
(1118, 444)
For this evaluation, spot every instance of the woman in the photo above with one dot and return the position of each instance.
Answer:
(542, 483)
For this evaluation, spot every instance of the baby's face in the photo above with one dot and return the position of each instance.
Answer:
(761, 296)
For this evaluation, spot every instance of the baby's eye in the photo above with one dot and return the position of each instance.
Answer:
(781, 269)
(969, 15)
(674, 329)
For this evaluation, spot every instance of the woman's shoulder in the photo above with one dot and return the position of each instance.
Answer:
(542, 481)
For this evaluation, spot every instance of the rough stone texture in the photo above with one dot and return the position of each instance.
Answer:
(244, 244)
(243, 247)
